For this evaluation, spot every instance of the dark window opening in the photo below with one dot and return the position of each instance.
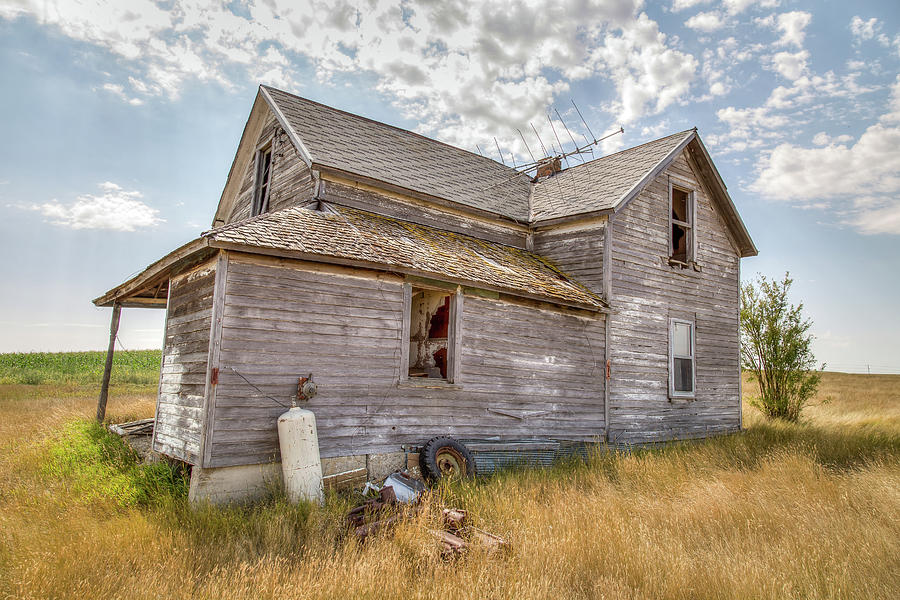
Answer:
(429, 324)
(681, 242)
(263, 177)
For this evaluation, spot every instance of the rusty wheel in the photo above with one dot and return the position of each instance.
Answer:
(446, 458)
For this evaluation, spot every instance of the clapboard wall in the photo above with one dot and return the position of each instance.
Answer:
(577, 250)
(182, 380)
(291, 180)
(646, 293)
(526, 370)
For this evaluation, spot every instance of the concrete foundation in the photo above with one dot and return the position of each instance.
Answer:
(382, 465)
(247, 483)
(234, 484)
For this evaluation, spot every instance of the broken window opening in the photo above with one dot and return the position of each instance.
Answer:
(429, 320)
(262, 182)
(682, 374)
(681, 221)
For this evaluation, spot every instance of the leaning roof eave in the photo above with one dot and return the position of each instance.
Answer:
(282, 120)
(376, 266)
(653, 172)
(152, 272)
(397, 189)
(545, 223)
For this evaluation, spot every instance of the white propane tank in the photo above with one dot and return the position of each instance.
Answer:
(300, 462)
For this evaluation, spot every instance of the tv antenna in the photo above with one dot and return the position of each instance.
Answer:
(552, 163)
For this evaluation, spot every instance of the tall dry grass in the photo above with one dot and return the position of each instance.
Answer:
(781, 511)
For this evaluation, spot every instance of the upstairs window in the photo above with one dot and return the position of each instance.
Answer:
(263, 179)
(681, 225)
(682, 374)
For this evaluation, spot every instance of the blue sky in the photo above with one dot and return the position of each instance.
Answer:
(121, 120)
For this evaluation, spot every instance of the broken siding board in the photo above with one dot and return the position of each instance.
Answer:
(182, 381)
(647, 291)
(554, 364)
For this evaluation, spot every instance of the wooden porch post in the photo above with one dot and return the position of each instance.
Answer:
(107, 370)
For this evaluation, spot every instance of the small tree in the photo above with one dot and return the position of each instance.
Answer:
(775, 348)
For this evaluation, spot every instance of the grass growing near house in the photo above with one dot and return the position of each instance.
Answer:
(808, 510)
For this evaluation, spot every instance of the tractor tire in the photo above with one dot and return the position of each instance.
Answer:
(444, 457)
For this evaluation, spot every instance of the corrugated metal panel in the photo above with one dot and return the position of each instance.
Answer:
(495, 455)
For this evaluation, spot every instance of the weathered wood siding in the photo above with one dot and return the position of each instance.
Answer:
(292, 182)
(578, 251)
(414, 211)
(285, 319)
(646, 293)
(182, 380)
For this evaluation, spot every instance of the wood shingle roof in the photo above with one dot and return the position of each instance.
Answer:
(366, 239)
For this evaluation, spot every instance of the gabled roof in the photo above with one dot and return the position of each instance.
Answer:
(604, 183)
(354, 237)
(607, 184)
(332, 140)
(354, 145)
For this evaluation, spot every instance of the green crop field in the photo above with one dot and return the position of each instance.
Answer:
(35, 368)
(805, 510)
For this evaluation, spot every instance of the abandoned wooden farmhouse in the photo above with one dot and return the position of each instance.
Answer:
(432, 291)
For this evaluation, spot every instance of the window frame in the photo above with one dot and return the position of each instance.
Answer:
(689, 226)
(260, 205)
(454, 336)
(692, 394)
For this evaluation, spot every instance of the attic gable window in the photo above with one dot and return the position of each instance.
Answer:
(681, 224)
(262, 181)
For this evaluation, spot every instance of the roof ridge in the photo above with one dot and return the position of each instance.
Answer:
(629, 149)
(382, 123)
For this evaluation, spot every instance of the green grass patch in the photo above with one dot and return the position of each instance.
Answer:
(95, 465)
(41, 368)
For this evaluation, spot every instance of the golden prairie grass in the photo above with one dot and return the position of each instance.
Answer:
(810, 510)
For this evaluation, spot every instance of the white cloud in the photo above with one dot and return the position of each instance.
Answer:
(823, 139)
(679, 5)
(649, 75)
(119, 91)
(791, 65)
(705, 21)
(463, 69)
(864, 30)
(738, 6)
(860, 182)
(115, 209)
(793, 27)
(871, 30)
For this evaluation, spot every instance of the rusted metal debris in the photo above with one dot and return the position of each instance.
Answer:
(386, 510)
(454, 518)
(374, 508)
(451, 544)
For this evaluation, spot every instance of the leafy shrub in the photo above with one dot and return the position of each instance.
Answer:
(776, 348)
